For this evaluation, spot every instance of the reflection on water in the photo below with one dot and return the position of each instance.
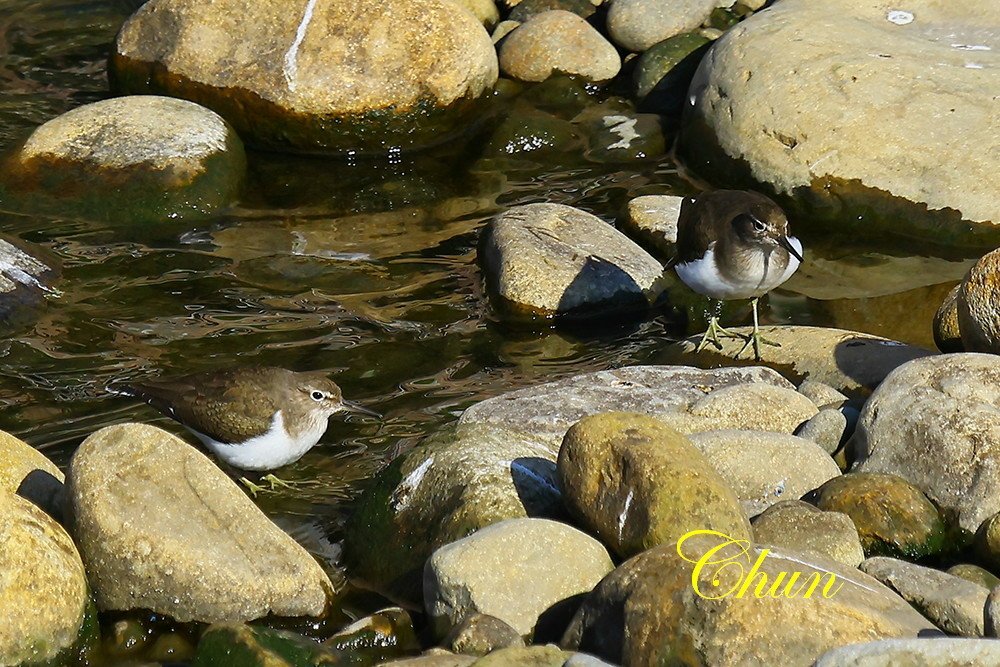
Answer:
(366, 270)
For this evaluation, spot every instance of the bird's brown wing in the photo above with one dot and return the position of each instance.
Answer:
(693, 230)
(220, 406)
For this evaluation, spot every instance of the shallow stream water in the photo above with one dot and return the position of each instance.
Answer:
(366, 269)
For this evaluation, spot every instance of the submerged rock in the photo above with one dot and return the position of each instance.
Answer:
(646, 611)
(520, 570)
(802, 121)
(43, 587)
(637, 25)
(953, 604)
(450, 486)
(892, 516)
(238, 645)
(550, 259)
(977, 304)
(637, 483)
(665, 392)
(196, 549)
(558, 41)
(851, 362)
(799, 526)
(386, 634)
(314, 75)
(129, 159)
(936, 423)
(764, 468)
(28, 274)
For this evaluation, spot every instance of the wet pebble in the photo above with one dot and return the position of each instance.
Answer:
(652, 220)
(558, 41)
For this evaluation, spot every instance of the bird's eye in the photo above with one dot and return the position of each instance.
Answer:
(317, 395)
(758, 225)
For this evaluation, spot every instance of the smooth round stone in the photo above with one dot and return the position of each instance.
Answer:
(456, 482)
(484, 10)
(529, 133)
(540, 259)
(134, 158)
(893, 517)
(664, 72)
(978, 306)
(28, 473)
(528, 656)
(652, 219)
(987, 541)
(43, 587)
(821, 394)
(754, 407)
(479, 634)
(514, 570)
(197, 549)
(952, 603)
(764, 468)
(558, 41)
(637, 25)
(365, 76)
(936, 423)
(947, 333)
(975, 574)
(621, 136)
(799, 526)
(783, 103)
(637, 483)
(829, 429)
(932, 652)
(529, 8)
(646, 613)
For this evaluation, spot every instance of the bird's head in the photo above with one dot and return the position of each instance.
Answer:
(320, 394)
(764, 224)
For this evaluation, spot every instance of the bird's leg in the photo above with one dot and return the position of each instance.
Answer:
(755, 338)
(273, 484)
(712, 334)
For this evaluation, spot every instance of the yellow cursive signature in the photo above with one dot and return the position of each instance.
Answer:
(730, 555)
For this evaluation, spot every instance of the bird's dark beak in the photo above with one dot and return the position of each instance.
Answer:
(356, 407)
(787, 245)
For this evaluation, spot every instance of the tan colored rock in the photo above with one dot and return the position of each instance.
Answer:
(637, 483)
(975, 574)
(25, 471)
(939, 652)
(936, 423)
(528, 656)
(313, 74)
(558, 41)
(653, 220)
(754, 407)
(43, 587)
(637, 25)
(978, 306)
(549, 259)
(196, 548)
(954, 604)
(647, 613)
(947, 333)
(514, 570)
(851, 362)
(790, 95)
(764, 468)
(799, 526)
(484, 10)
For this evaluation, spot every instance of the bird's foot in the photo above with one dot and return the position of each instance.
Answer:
(712, 335)
(755, 339)
(273, 483)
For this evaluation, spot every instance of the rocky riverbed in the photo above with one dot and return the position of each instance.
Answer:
(463, 210)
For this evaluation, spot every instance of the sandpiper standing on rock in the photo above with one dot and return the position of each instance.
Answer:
(734, 244)
(258, 418)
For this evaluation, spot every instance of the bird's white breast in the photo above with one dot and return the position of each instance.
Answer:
(271, 449)
(759, 275)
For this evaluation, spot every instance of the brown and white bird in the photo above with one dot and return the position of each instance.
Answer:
(257, 418)
(734, 244)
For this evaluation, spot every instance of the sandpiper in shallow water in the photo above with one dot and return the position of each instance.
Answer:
(258, 418)
(734, 244)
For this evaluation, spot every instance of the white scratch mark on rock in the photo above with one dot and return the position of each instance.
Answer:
(291, 57)
(624, 127)
(401, 496)
(899, 17)
(623, 517)
(971, 47)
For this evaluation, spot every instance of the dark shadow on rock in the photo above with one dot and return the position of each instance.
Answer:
(868, 360)
(552, 622)
(537, 487)
(46, 491)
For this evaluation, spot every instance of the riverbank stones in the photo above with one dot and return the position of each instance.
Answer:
(558, 41)
(636, 25)
(132, 159)
(161, 527)
(977, 305)
(637, 483)
(315, 75)
(28, 473)
(652, 219)
(799, 526)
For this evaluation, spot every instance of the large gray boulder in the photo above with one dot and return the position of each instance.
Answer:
(857, 108)
(936, 423)
(161, 527)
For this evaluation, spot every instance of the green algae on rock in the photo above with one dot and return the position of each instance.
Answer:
(135, 159)
(366, 76)
(664, 72)
(238, 645)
